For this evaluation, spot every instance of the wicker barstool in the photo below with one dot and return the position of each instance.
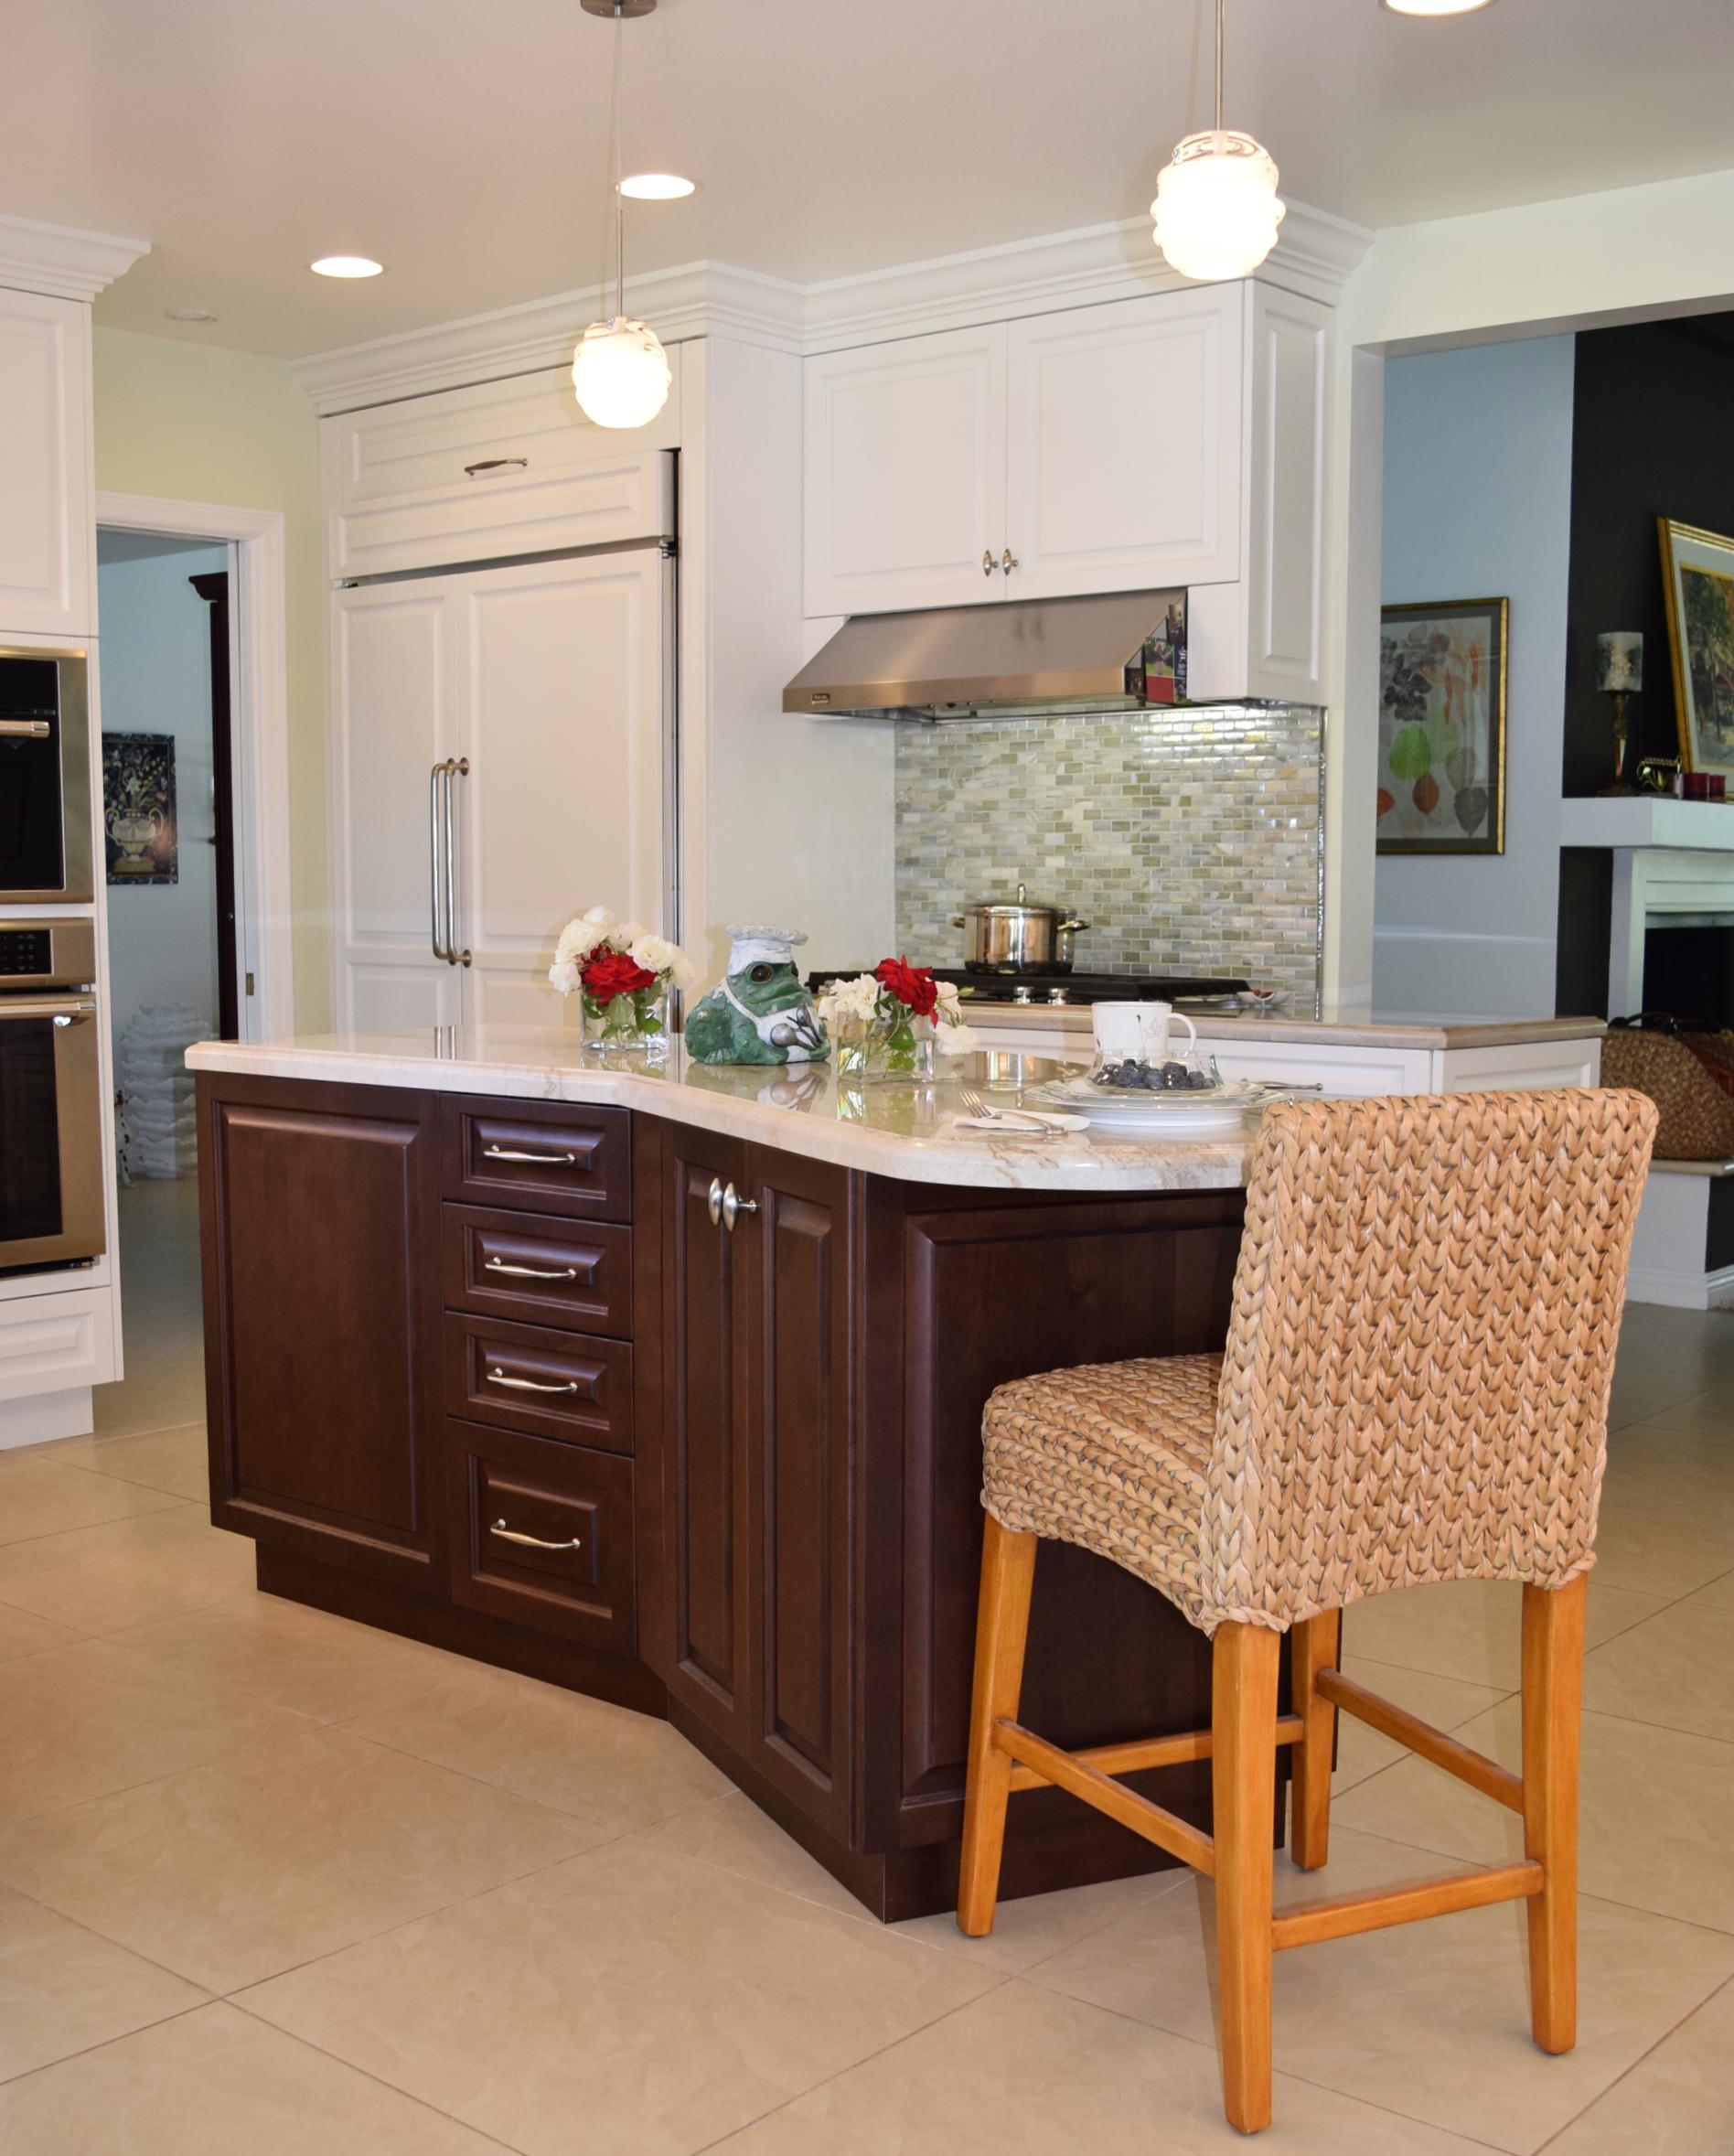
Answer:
(1414, 1389)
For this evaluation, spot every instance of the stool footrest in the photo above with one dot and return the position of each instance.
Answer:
(1347, 1913)
(1069, 1771)
(1422, 1739)
(1128, 1759)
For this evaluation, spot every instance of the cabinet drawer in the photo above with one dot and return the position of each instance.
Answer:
(502, 467)
(541, 1271)
(541, 1534)
(536, 1159)
(532, 1379)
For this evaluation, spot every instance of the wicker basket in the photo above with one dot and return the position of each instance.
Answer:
(1697, 1116)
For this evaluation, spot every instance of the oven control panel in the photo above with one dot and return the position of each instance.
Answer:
(46, 954)
(27, 953)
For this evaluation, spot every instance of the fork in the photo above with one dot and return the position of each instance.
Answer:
(978, 1109)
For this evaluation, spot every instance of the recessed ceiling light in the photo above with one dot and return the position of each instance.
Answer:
(189, 314)
(657, 186)
(345, 265)
(1435, 7)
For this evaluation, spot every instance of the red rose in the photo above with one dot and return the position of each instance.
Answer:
(913, 985)
(608, 973)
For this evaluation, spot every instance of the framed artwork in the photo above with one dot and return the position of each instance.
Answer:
(138, 808)
(1697, 571)
(1442, 727)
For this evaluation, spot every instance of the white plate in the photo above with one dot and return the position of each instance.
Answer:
(1193, 1114)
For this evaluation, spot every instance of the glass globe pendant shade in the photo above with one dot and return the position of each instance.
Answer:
(1216, 210)
(621, 373)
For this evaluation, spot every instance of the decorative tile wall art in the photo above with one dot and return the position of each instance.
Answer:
(138, 808)
(1441, 785)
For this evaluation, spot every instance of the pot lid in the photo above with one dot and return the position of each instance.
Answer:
(1020, 903)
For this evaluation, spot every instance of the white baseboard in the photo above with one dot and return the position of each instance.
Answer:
(1681, 1290)
(47, 1416)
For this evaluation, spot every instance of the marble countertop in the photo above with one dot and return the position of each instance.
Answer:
(1348, 1026)
(887, 1127)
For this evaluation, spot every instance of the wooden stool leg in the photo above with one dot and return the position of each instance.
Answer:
(1552, 1705)
(1312, 1645)
(1244, 1785)
(1002, 1623)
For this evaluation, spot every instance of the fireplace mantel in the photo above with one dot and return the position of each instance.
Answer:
(1672, 864)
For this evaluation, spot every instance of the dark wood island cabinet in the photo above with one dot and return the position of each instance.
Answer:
(691, 1423)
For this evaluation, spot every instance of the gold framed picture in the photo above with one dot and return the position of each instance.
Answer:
(1441, 785)
(1697, 573)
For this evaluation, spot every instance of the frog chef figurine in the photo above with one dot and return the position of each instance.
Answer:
(759, 1012)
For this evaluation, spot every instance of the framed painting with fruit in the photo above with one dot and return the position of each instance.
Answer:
(1442, 727)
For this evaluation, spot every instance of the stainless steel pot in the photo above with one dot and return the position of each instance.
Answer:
(1011, 936)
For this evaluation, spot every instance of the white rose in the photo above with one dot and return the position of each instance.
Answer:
(955, 1040)
(563, 974)
(579, 938)
(856, 999)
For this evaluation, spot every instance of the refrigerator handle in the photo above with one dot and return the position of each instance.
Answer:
(458, 767)
(436, 938)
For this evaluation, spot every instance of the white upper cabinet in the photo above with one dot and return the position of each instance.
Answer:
(1123, 466)
(906, 473)
(47, 533)
(503, 468)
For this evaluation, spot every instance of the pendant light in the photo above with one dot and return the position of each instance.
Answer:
(1216, 210)
(620, 370)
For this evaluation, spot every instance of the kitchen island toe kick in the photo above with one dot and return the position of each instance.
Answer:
(487, 1365)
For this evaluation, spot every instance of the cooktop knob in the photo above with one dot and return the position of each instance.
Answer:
(1021, 994)
(1056, 995)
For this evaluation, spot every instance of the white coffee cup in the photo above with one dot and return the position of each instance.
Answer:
(1139, 1031)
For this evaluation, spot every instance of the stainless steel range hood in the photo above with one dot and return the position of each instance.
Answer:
(1112, 651)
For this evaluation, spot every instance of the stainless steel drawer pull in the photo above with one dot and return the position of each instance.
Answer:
(734, 1205)
(528, 1384)
(1008, 561)
(530, 1271)
(540, 1160)
(26, 729)
(497, 464)
(507, 1534)
(714, 1201)
(987, 562)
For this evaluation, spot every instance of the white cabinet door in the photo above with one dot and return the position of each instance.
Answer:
(48, 526)
(906, 473)
(473, 475)
(1124, 447)
(396, 692)
(566, 733)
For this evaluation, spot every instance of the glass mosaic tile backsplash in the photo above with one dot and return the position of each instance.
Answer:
(1188, 839)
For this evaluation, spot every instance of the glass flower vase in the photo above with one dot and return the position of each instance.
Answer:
(892, 1043)
(632, 1024)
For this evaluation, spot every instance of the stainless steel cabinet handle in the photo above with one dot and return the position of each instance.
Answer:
(1008, 561)
(507, 1534)
(456, 768)
(63, 1010)
(734, 1205)
(714, 1201)
(987, 561)
(527, 1384)
(26, 729)
(497, 464)
(541, 1160)
(530, 1271)
(437, 935)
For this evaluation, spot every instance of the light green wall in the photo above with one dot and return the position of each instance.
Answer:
(197, 423)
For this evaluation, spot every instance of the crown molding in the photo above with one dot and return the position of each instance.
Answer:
(62, 261)
(1315, 255)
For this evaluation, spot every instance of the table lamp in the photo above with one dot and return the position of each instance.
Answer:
(1620, 675)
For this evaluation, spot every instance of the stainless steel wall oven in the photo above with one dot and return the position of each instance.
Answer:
(53, 1161)
(45, 777)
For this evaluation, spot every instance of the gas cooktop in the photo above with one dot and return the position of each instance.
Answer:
(1068, 988)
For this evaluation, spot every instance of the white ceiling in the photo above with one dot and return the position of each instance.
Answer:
(461, 141)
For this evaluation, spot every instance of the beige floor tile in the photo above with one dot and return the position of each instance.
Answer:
(323, 1666)
(1026, 2073)
(734, 1834)
(1656, 1551)
(1679, 2101)
(1706, 1414)
(217, 2083)
(1719, 1594)
(235, 1871)
(607, 1767)
(1444, 1701)
(42, 1496)
(172, 1460)
(62, 1989)
(86, 1719)
(1675, 1668)
(126, 1571)
(163, 1391)
(21, 1633)
(1429, 2019)
(1653, 1820)
(630, 2000)
(1469, 1629)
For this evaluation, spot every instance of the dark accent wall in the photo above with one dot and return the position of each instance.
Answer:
(1653, 435)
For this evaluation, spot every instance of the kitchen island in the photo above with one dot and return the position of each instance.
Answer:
(665, 1385)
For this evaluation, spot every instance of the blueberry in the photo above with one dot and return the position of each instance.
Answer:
(1199, 1081)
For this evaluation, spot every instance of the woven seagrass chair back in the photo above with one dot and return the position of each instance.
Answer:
(1416, 1381)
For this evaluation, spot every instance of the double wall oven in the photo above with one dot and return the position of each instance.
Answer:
(53, 1155)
